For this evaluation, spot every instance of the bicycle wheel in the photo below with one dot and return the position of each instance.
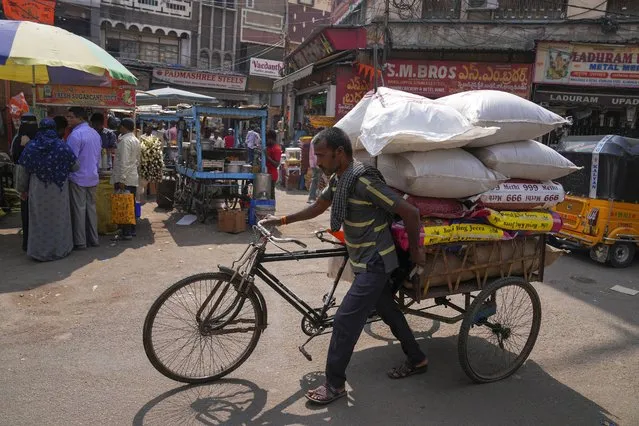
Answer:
(499, 330)
(183, 349)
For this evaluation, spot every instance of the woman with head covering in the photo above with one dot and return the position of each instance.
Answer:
(26, 132)
(45, 166)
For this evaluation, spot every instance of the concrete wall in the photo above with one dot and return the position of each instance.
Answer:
(411, 35)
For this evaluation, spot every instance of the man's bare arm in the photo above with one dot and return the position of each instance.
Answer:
(314, 210)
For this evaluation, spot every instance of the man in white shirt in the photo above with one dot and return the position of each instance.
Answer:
(253, 140)
(125, 168)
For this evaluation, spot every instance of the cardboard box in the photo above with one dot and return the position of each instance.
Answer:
(232, 221)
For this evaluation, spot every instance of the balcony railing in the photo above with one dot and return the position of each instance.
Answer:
(441, 9)
(498, 10)
(623, 9)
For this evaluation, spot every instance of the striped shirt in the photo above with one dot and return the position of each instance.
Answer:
(367, 222)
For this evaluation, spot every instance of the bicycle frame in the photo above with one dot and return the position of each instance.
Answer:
(280, 288)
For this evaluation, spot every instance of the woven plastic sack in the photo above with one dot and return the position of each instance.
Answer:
(521, 194)
(392, 126)
(526, 160)
(533, 221)
(446, 173)
(123, 208)
(352, 122)
(445, 208)
(517, 118)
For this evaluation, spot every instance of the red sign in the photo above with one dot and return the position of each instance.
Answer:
(117, 97)
(41, 11)
(435, 79)
(350, 89)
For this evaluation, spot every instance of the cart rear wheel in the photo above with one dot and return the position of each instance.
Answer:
(622, 254)
(499, 330)
(188, 350)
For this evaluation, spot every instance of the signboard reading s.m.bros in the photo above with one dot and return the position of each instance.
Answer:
(435, 79)
(598, 65)
(200, 79)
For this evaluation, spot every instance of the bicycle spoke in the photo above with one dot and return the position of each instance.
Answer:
(196, 349)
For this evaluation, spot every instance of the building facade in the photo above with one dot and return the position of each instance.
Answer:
(435, 48)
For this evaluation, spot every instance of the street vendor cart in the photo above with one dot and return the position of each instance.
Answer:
(209, 177)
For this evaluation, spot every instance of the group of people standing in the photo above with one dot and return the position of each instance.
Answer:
(58, 179)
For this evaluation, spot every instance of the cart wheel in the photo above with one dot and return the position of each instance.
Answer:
(622, 254)
(499, 330)
(186, 349)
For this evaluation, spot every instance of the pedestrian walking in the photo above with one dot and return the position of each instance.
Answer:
(125, 168)
(44, 166)
(86, 144)
(361, 202)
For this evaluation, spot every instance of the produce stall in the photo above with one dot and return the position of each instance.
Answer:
(211, 178)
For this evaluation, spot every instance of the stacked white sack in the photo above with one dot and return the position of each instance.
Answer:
(397, 122)
(445, 173)
(525, 160)
(517, 118)
(352, 122)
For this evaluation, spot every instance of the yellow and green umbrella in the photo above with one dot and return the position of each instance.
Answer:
(42, 54)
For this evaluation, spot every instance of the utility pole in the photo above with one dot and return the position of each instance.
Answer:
(285, 62)
(386, 34)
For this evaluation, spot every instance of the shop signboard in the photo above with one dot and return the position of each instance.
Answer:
(42, 11)
(318, 121)
(199, 79)
(435, 79)
(266, 68)
(585, 99)
(597, 65)
(350, 89)
(86, 96)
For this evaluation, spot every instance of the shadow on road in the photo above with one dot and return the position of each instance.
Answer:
(443, 396)
(22, 273)
(198, 234)
(590, 282)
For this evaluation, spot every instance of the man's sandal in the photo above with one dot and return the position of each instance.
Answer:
(324, 394)
(405, 370)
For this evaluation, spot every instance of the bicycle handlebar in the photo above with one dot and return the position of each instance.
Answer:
(265, 232)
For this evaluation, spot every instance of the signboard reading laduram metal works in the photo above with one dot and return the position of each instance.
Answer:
(200, 79)
(266, 68)
(598, 65)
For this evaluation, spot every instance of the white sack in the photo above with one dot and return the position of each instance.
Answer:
(364, 157)
(525, 160)
(446, 173)
(351, 123)
(414, 126)
(517, 118)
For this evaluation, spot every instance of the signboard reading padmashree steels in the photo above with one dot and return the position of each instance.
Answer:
(200, 79)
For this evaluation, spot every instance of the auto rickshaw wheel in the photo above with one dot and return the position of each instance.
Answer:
(622, 254)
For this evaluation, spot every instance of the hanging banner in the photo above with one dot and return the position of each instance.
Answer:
(53, 94)
(598, 65)
(200, 79)
(435, 79)
(350, 89)
(42, 11)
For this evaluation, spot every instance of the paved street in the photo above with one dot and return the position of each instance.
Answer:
(71, 344)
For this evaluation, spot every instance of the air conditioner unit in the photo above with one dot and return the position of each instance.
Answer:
(483, 4)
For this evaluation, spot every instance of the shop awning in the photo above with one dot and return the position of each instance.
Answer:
(297, 75)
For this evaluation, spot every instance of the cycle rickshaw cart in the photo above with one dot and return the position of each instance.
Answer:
(205, 326)
(210, 177)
